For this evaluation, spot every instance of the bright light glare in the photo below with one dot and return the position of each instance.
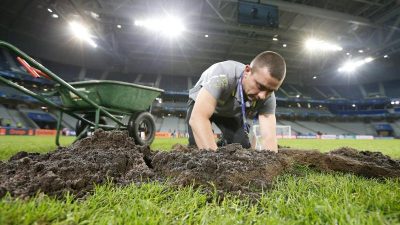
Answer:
(351, 66)
(82, 33)
(368, 59)
(319, 45)
(170, 26)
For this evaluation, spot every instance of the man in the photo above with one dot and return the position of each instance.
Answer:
(228, 94)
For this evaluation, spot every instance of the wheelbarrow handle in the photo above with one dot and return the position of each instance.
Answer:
(32, 71)
(28, 68)
(41, 73)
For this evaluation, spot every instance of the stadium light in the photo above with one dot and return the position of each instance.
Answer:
(81, 32)
(169, 26)
(319, 45)
(351, 66)
(368, 59)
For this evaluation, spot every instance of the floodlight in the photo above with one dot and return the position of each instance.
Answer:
(81, 32)
(368, 59)
(169, 26)
(284, 45)
(385, 56)
(350, 66)
(319, 45)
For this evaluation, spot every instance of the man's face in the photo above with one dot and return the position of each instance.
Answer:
(259, 85)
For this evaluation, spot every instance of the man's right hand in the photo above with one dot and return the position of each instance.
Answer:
(199, 121)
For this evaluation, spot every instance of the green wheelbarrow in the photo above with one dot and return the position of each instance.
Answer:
(92, 102)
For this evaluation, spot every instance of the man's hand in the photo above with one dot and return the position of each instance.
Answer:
(203, 109)
(268, 131)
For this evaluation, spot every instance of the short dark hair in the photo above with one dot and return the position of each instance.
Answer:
(275, 63)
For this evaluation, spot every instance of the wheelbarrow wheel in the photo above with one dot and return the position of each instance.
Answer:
(82, 125)
(142, 128)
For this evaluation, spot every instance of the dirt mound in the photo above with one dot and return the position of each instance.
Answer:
(231, 168)
(104, 156)
(113, 156)
(362, 163)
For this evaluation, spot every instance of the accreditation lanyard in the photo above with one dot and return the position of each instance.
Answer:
(246, 126)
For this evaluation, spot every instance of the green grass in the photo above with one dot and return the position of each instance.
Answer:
(388, 147)
(312, 198)
(9, 145)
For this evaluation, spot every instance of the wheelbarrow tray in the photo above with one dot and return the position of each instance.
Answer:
(117, 95)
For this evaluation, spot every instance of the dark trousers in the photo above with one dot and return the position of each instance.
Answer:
(231, 128)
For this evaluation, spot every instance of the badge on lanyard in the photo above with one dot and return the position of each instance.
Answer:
(246, 126)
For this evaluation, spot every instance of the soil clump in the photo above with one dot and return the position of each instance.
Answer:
(113, 156)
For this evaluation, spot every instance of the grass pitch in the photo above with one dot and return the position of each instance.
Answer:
(308, 198)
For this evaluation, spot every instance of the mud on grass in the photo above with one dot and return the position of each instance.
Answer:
(113, 156)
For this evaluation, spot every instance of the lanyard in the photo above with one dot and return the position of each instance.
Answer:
(246, 126)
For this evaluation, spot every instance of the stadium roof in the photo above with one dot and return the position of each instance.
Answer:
(368, 25)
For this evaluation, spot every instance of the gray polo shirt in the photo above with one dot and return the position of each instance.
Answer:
(221, 81)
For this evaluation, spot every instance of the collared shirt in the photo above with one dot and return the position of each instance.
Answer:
(221, 81)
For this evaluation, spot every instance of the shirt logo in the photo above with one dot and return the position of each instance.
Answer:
(220, 81)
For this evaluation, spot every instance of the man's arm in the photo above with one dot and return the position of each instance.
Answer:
(199, 121)
(268, 131)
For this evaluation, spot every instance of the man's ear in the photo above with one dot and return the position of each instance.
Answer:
(247, 70)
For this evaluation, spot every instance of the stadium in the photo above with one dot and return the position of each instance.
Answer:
(70, 67)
